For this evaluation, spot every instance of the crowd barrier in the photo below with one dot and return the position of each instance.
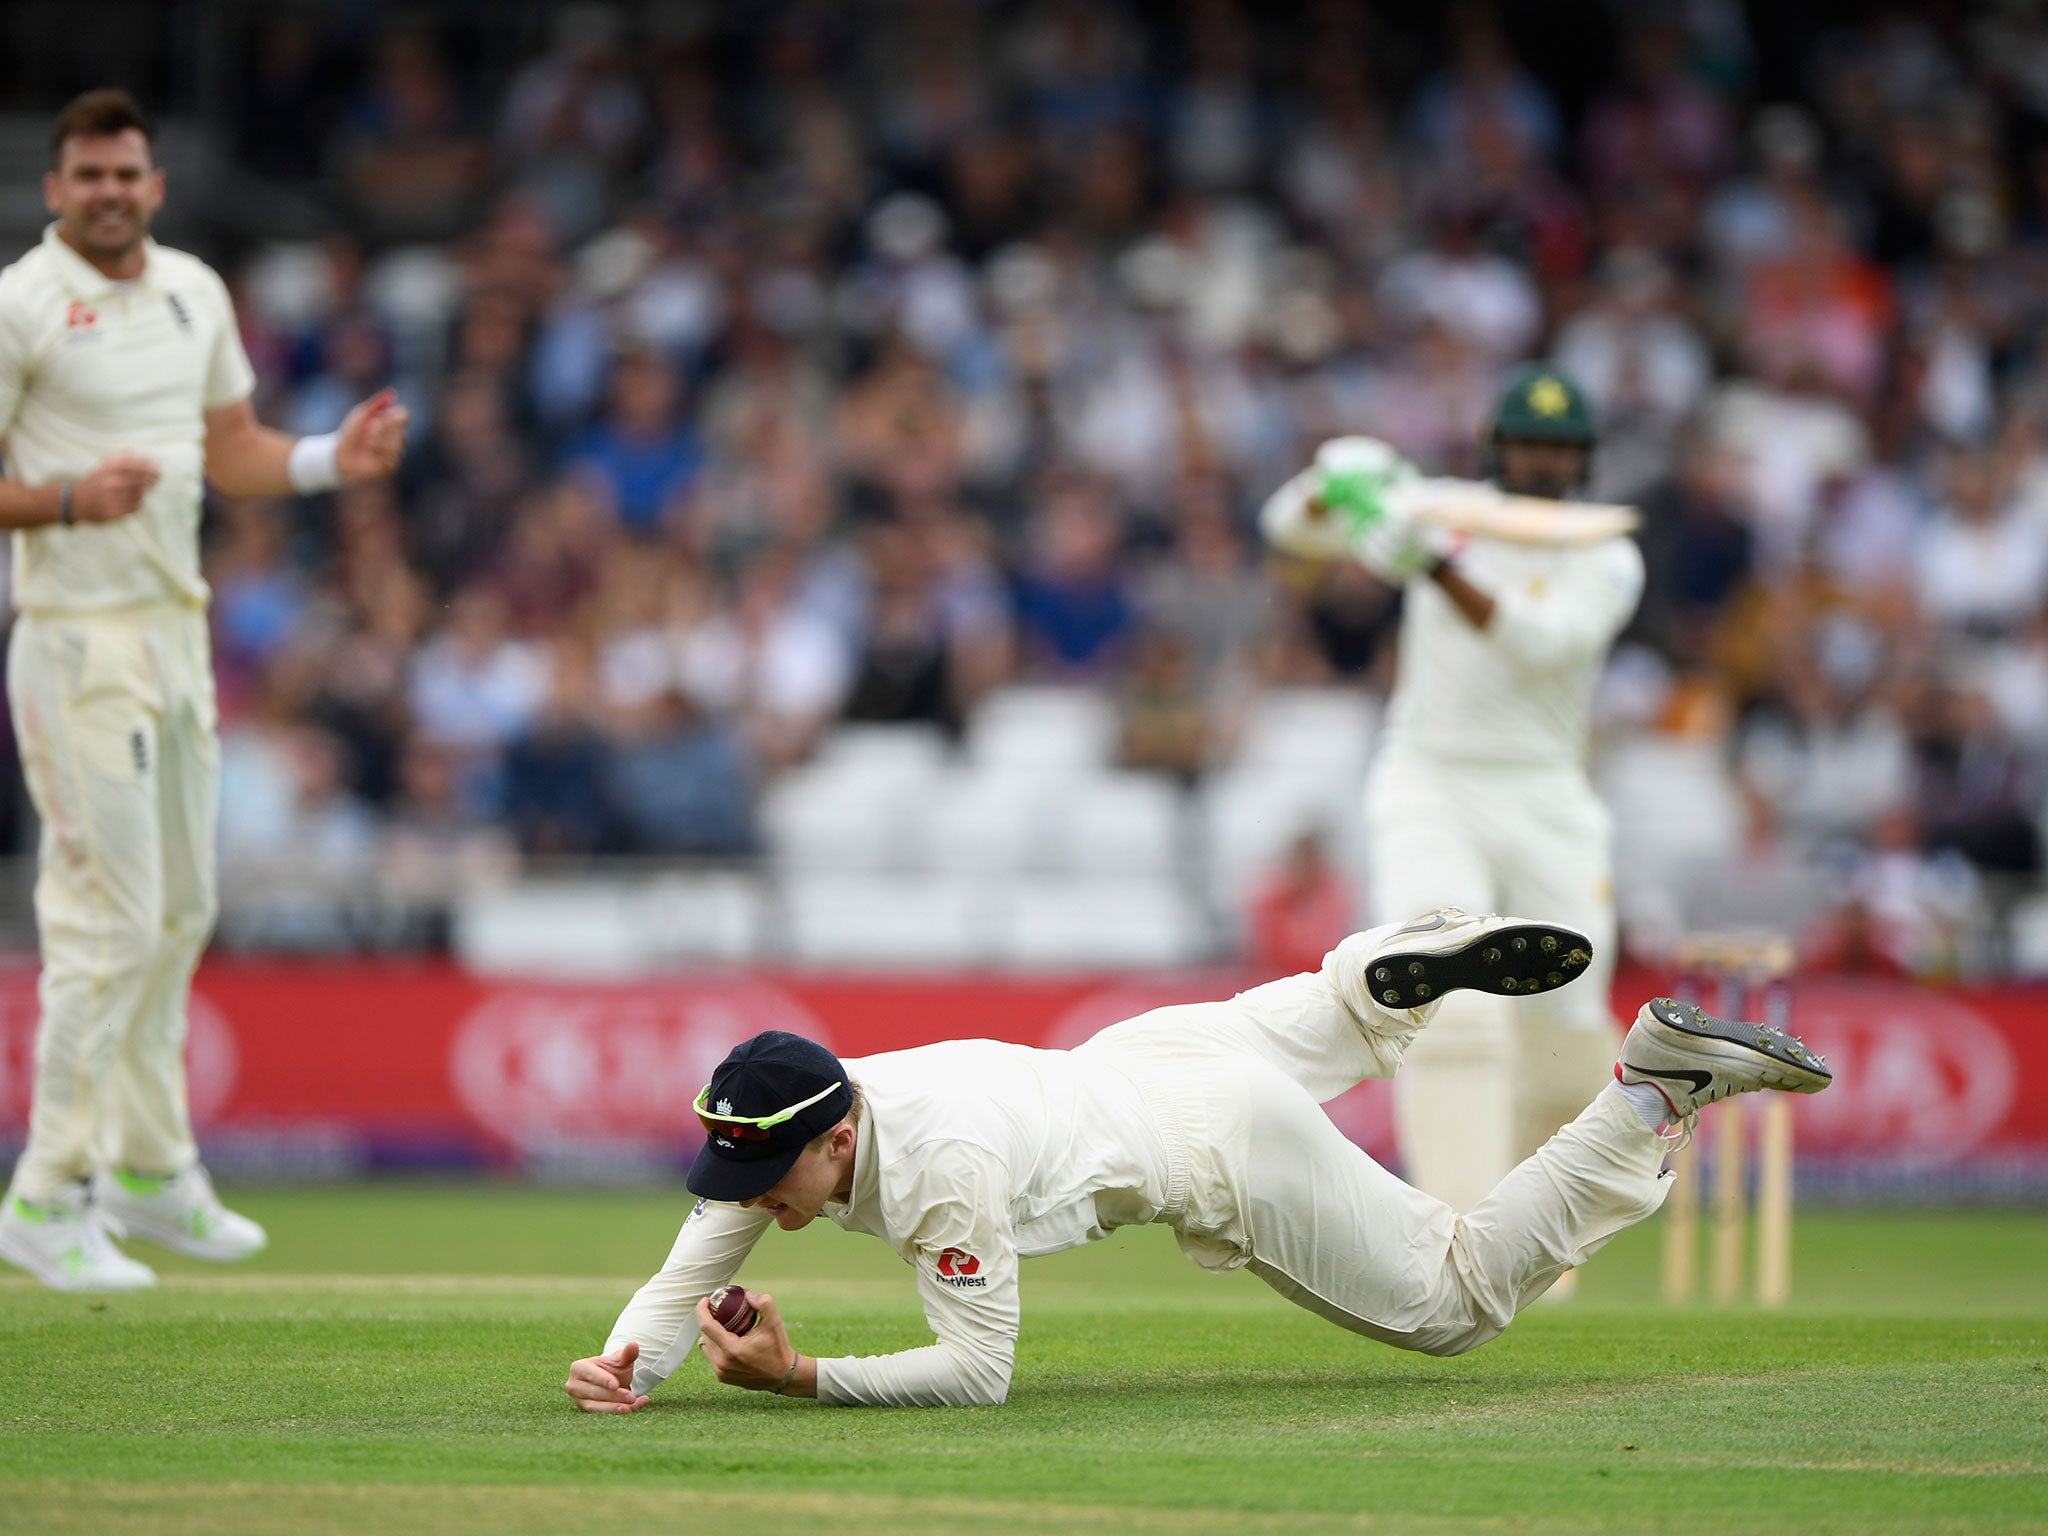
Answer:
(305, 1069)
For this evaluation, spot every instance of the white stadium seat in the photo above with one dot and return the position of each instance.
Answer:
(1043, 728)
(909, 750)
(1677, 814)
(597, 927)
(1311, 730)
(860, 921)
(2028, 935)
(1054, 923)
(972, 823)
(849, 816)
(1117, 824)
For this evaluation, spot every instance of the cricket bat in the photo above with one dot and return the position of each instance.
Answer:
(1485, 512)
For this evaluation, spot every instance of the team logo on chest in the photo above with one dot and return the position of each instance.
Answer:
(80, 317)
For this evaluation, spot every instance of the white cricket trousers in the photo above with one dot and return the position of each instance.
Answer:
(118, 732)
(1494, 1077)
(1260, 1177)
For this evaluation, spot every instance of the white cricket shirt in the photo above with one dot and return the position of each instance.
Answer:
(90, 366)
(1521, 689)
(972, 1155)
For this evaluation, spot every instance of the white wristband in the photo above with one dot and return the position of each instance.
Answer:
(311, 467)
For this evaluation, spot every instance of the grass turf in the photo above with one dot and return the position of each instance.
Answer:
(394, 1363)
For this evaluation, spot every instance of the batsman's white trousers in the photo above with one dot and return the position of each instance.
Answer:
(119, 740)
(1494, 1077)
(1260, 1177)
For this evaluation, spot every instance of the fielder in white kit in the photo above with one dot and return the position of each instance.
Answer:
(123, 388)
(1478, 795)
(970, 1155)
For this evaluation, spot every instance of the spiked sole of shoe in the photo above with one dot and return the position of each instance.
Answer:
(1516, 960)
(1791, 1066)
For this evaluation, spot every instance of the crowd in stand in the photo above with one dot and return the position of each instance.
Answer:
(844, 362)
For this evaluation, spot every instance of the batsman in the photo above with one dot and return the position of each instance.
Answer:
(1478, 795)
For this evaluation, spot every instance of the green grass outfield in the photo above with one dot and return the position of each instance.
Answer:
(394, 1364)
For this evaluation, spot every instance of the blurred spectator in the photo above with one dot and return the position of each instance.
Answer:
(1698, 550)
(1644, 365)
(1983, 563)
(1975, 793)
(432, 851)
(1826, 756)
(1299, 912)
(574, 117)
(642, 455)
(1659, 124)
(1074, 610)
(1791, 437)
(1486, 300)
(412, 167)
(1206, 591)
(469, 476)
(676, 782)
(259, 595)
(779, 672)
(297, 849)
(474, 688)
(554, 794)
(1163, 720)
(1484, 89)
(933, 624)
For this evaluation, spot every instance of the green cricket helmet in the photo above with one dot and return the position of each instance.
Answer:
(1543, 405)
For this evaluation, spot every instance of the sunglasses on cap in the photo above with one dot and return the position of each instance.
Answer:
(753, 1127)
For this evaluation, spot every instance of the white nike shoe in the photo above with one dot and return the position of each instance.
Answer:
(180, 1211)
(1694, 1059)
(64, 1244)
(1444, 950)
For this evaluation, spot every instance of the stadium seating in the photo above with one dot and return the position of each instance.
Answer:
(894, 921)
(1108, 922)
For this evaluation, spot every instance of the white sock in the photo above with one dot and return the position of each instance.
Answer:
(1646, 1101)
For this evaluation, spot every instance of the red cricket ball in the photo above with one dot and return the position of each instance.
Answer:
(735, 1314)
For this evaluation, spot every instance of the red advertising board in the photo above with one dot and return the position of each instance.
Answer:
(429, 1064)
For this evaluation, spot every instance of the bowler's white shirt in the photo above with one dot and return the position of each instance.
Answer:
(90, 366)
(972, 1155)
(1521, 689)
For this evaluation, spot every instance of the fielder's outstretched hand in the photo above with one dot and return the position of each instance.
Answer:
(604, 1383)
(372, 438)
(758, 1359)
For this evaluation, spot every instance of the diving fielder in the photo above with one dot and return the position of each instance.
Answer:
(1478, 796)
(123, 384)
(970, 1155)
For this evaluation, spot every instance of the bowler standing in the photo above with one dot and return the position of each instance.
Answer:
(124, 389)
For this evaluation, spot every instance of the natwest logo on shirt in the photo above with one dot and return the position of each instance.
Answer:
(959, 1267)
(80, 316)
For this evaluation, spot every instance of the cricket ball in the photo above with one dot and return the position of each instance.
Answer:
(729, 1305)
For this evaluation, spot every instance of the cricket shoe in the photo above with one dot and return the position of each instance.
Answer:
(179, 1210)
(1444, 950)
(64, 1244)
(1694, 1059)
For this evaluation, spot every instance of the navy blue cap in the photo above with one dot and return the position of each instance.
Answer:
(765, 1076)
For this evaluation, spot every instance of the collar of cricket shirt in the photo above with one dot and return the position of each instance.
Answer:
(867, 1176)
(86, 282)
